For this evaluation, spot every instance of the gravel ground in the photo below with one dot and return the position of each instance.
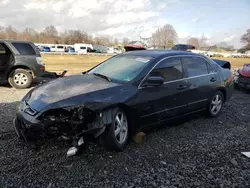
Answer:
(198, 152)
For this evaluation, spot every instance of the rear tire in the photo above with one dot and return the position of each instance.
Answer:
(20, 79)
(215, 104)
(116, 135)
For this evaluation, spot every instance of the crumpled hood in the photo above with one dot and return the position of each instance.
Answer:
(75, 88)
(245, 71)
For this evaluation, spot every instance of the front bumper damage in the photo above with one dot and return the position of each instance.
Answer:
(73, 124)
(241, 81)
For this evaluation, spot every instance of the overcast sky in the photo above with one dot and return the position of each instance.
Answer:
(219, 20)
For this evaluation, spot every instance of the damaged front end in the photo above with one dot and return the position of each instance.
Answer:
(72, 123)
(242, 78)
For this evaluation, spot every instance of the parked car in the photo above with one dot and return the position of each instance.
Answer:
(20, 63)
(242, 77)
(122, 95)
(71, 50)
(46, 49)
(183, 47)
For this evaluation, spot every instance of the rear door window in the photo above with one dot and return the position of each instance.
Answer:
(195, 66)
(170, 69)
(24, 48)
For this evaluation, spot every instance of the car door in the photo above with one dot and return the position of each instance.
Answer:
(202, 80)
(167, 100)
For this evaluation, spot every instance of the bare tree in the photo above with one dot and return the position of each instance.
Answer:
(116, 42)
(49, 34)
(2, 33)
(245, 39)
(164, 37)
(11, 33)
(125, 41)
(225, 46)
(194, 41)
(203, 41)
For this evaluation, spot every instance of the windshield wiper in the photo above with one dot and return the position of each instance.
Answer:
(102, 76)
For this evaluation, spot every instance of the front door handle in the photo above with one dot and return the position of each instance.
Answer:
(180, 87)
(212, 79)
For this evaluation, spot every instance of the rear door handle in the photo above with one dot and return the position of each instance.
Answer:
(212, 79)
(180, 87)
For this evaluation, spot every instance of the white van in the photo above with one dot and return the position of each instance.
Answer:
(57, 48)
(53, 48)
(82, 48)
(60, 48)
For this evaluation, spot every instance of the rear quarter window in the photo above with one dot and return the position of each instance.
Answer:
(2, 49)
(24, 48)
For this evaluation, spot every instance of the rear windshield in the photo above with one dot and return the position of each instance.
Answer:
(60, 47)
(83, 48)
(24, 48)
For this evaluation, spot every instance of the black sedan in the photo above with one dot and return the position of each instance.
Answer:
(124, 94)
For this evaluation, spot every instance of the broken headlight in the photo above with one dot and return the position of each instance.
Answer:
(75, 115)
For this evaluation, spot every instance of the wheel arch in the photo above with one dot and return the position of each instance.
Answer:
(20, 67)
(132, 116)
(223, 91)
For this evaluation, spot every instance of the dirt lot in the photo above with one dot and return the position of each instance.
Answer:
(197, 152)
(78, 63)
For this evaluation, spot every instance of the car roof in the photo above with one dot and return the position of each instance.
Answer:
(160, 53)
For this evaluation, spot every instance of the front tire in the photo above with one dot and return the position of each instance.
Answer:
(20, 79)
(215, 104)
(116, 135)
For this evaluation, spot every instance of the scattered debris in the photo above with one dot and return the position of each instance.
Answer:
(163, 162)
(68, 166)
(140, 138)
(234, 162)
(50, 185)
(247, 154)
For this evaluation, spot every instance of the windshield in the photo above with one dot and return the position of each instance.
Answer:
(122, 68)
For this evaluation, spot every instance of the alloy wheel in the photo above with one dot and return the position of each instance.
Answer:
(216, 104)
(121, 127)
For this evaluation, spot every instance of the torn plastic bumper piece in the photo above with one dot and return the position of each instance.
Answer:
(54, 74)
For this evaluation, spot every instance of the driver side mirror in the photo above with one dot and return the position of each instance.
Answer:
(154, 81)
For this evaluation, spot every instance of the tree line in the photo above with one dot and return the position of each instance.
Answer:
(50, 35)
(164, 37)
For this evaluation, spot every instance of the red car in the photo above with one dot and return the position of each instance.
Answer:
(242, 77)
